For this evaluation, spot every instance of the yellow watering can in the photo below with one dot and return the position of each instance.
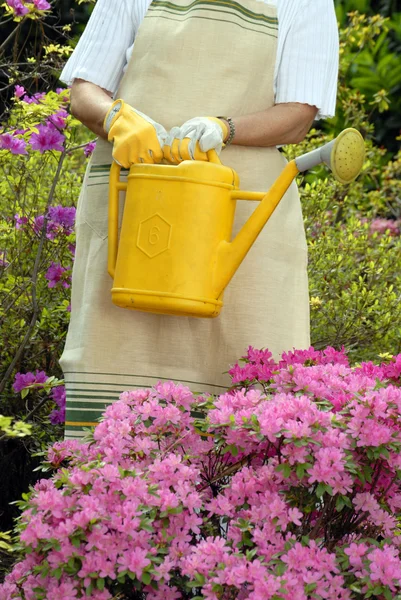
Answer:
(175, 255)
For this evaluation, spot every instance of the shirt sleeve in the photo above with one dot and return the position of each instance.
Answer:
(307, 70)
(100, 55)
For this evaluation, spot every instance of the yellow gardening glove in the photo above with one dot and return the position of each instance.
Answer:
(194, 139)
(136, 138)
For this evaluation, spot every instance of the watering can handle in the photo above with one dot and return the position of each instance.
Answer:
(115, 187)
(213, 157)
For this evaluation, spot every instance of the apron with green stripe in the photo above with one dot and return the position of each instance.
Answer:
(190, 58)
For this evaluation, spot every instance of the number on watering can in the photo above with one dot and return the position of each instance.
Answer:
(154, 235)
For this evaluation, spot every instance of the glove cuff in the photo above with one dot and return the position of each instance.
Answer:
(222, 125)
(111, 114)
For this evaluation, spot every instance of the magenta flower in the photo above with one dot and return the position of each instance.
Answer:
(57, 274)
(41, 4)
(63, 215)
(20, 221)
(19, 91)
(12, 143)
(38, 224)
(58, 119)
(35, 99)
(61, 220)
(89, 148)
(19, 8)
(23, 380)
(47, 138)
(57, 417)
(59, 396)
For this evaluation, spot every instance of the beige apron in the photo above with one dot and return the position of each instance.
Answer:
(190, 58)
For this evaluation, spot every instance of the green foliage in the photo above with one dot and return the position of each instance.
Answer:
(354, 274)
(370, 67)
(10, 428)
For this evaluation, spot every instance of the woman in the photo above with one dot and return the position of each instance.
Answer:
(269, 68)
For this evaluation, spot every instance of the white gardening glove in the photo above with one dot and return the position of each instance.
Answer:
(194, 139)
(136, 137)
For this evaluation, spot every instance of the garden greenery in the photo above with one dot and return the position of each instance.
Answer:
(354, 255)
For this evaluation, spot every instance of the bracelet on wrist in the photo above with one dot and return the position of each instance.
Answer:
(231, 134)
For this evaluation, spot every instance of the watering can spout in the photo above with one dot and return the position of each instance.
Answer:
(344, 156)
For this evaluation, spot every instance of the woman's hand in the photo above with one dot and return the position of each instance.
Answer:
(194, 139)
(136, 137)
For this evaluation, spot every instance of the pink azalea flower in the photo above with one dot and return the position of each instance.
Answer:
(135, 561)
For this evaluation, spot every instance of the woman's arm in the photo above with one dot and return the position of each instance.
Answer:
(90, 104)
(281, 124)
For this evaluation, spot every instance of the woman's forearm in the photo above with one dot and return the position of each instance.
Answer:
(281, 124)
(90, 104)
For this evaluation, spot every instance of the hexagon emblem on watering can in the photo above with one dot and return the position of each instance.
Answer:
(154, 235)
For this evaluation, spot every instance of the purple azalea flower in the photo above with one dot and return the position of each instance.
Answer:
(38, 224)
(58, 119)
(61, 220)
(57, 417)
(64, 91)
(59, 396)
(20, 221)
(47, 138)
(56, 274)
(23, 380)
(33, 99)
(12, 143)
(18, 8)
(41, 4)
(89, 148)
(19, 91)
(63, 215)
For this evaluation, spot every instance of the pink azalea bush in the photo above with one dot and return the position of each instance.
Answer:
(287, 486)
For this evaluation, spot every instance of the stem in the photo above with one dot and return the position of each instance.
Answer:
(34, 280)
(10, 37)
(231, 469)
(29, 415)
(78, 147)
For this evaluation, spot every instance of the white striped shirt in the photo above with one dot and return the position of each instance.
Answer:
(306, 67)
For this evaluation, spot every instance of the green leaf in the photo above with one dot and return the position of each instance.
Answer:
(100, 584)
(285, 469)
